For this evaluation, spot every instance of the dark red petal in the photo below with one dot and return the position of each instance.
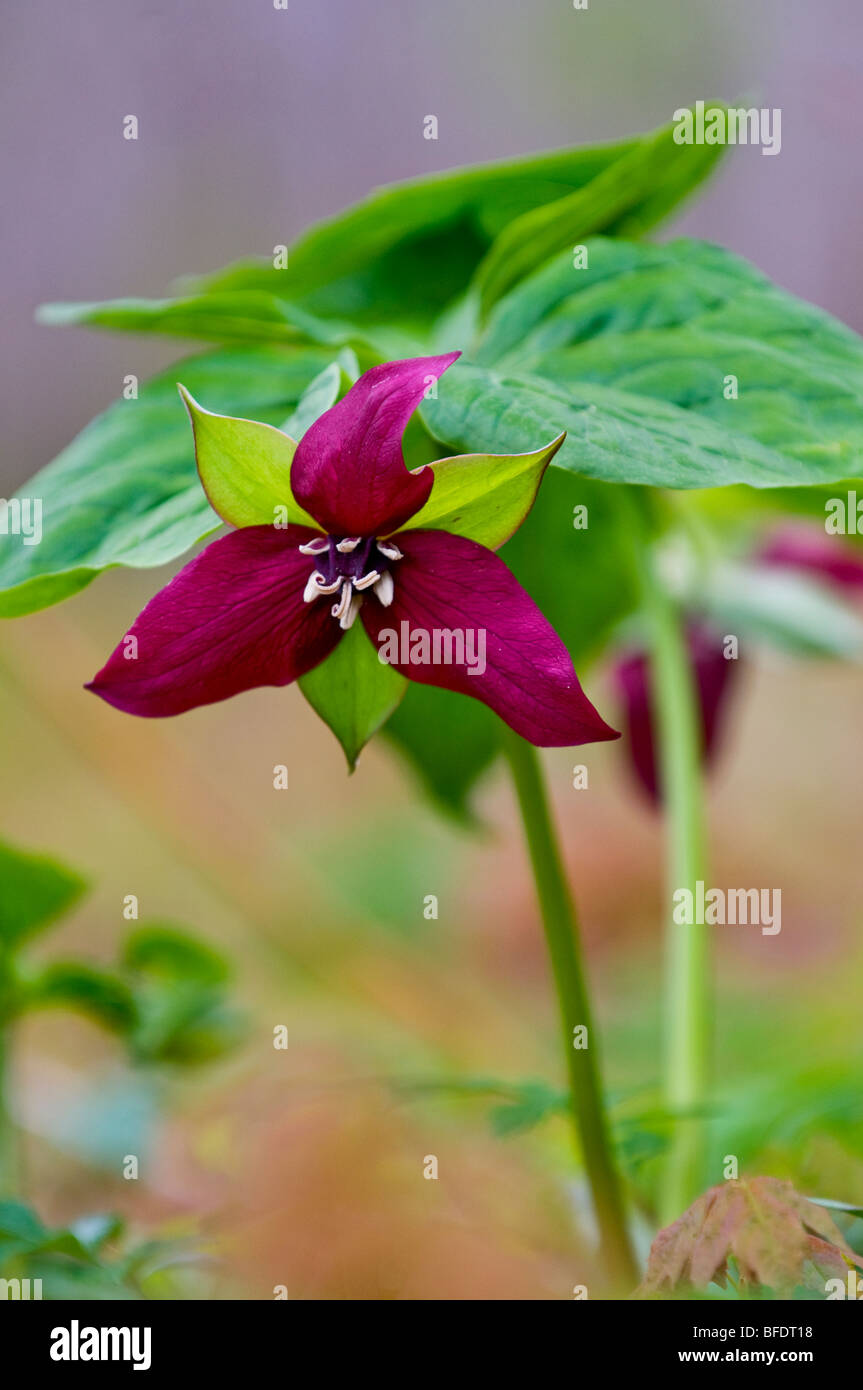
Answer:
(713, 678)
(349, 471)
(804, 548)
(449, 583)
(232, 619)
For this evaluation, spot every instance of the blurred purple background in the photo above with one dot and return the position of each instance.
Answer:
(256, 121)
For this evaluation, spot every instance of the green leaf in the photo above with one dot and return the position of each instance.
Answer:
(97, 994)
(34, 891)
(849, 1208)
(388, 266)
(735, 504)
(321, 394)
(485, 497)
(353, 691)
(532, 1102)
(635, 190)
(70, 1261)
(97, 1229)
(171, 953)
(449, 741)
(372, 263)
(19, 1222)
(184, 1023)
(244, 467)
(791, 611)
(184, 1017)
(251, 317)
(617, 436)
(68, 1281)
(126, 491)
(633, 356)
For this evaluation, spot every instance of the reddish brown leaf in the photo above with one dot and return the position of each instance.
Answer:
(776, 1237)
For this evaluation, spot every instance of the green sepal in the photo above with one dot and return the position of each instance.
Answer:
(245, 468)
(353, 691)
(485, 497)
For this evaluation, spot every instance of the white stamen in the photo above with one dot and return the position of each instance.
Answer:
(367, 580)
(348, 544)
(390, 550)
(311, 590)
(339, 609)
(347, 607)
(353, 609)
(314, 547)
(385, 589)
(315, 586)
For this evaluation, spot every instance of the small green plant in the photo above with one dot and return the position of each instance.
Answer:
(166, 1000)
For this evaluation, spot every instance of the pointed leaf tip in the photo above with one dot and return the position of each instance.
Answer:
(484, 497)
(244, 467)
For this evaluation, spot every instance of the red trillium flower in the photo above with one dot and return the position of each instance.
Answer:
(348, 534)
(713, 677)
(800, 547)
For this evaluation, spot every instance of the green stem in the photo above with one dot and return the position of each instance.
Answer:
(8, 1164)
(561, 934)
(688, 1012)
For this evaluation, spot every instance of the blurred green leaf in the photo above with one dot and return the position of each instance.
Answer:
(68, 1281)
(185, 1024)
(372, 263)
(170, 953)
(253, 317)
(448, 740)
(632, 192)
(533, 1103)
(849, 1208)
(788, 610)
(59, 1257)
(790, 1107)
(85, 989)
(97, 1230)
(388, 266)
(178, 982)
(320, 395)
(72, 1263)
(126, 491)
(19, 1222)
(34, 891)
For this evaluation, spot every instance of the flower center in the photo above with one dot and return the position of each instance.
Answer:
(347, 566)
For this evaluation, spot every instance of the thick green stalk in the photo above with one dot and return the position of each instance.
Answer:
(561, 933)
(688, 1010)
